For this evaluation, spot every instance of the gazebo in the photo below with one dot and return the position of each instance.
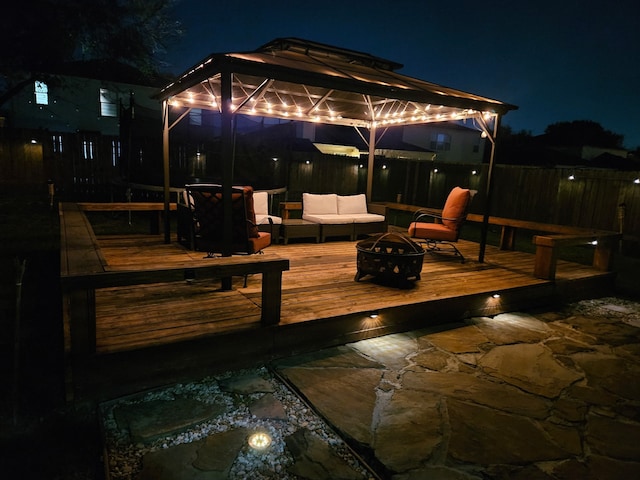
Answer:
(301, 80)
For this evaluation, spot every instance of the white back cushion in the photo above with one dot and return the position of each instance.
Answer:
(261, 203)
(352, 204)
(319, 204)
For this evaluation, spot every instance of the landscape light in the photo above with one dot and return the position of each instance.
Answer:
(259, 441)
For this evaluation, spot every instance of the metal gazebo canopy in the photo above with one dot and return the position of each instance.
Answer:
(295, 79)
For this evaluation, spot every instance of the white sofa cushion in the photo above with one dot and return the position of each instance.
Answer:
(261, 203)
(352, 204)
(334, 219)
(367, 218)
(261, 207)
(319, 204)
(264, 219)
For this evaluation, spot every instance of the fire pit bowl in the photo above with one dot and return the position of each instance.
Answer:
(390, 256)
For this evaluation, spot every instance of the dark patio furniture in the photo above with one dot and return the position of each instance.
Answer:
(206, 203)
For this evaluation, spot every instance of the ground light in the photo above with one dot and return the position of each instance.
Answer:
(259, 441)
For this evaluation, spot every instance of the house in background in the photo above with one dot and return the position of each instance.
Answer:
(67, 126)
(94, 129)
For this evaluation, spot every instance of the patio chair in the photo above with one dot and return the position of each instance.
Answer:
(434, 230)
(206, 203)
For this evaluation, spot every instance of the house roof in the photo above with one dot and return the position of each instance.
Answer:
(302, 80)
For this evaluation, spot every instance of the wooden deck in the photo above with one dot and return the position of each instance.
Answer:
(151, 334)
(318, 287)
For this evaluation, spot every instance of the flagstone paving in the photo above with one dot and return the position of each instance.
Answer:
(539, 395)
(552, 395)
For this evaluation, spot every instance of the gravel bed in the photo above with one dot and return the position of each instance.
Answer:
(125, 458)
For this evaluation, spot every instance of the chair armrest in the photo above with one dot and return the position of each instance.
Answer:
(422, 215)
(377, 208)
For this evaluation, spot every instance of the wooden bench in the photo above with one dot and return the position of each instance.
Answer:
(547, 250)
(155, 221)
(547, 245)
(83, 270)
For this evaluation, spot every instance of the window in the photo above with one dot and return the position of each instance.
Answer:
(42, 93)
(87, 149)
(56, 141)
(108, 105)
(440, 142)
(115, 152)
(195, 116)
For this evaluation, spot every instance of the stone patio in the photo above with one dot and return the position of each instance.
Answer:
(538, 395)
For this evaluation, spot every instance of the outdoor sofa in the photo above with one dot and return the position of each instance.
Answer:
(343, 215)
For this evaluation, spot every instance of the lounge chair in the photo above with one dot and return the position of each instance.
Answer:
(435, 229)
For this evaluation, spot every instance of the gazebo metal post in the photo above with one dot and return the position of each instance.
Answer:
(227, 167)
(165, 164)
(488, 190)
(370, 165)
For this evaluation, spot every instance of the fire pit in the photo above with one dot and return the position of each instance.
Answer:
(391, 256)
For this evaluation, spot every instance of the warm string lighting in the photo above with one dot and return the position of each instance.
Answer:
(285, 106)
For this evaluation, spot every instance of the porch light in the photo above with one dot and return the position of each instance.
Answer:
(496, 295)
(373, 315)
(34, 141)
(594, 243)
(259, 441)
(307, 162)
(637, 180)
(384, 167)
(572, 177)
(435, 170)
(474, 172)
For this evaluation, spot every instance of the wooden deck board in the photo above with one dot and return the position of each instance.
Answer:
(319, 285)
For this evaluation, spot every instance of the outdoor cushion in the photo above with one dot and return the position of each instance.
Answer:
(352, 204)
(432, 231)
(334, 219)
(261, 207)
(367, 218)
(455, 207)
(319, 204)
(261, 203)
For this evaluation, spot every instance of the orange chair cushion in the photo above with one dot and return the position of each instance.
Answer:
(432, 231)
(455, 207)
(262, 241)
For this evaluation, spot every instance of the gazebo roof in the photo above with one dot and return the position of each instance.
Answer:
(297, 79)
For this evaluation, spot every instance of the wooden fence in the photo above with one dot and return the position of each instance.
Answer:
(594, 198)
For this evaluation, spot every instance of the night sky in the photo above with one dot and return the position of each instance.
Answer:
(559, 60)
